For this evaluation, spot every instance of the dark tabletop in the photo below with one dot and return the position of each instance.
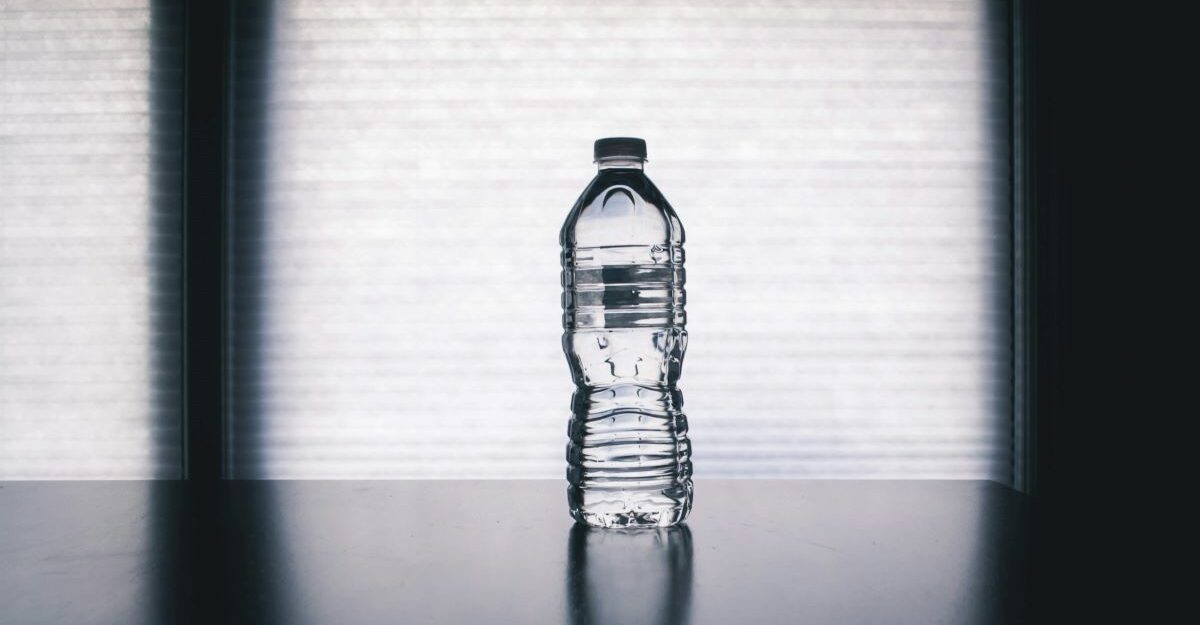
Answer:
(506, 552)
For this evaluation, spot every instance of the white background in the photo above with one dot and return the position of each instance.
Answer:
(840, 169)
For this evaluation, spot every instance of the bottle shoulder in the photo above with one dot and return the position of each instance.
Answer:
(621, 207)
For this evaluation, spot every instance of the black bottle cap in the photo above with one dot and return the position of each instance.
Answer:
(611, 147)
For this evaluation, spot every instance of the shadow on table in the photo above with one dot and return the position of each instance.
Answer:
(216, 554)
(629, 576)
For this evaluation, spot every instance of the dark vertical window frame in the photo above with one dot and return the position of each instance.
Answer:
(250, 62)
(1020, 122)
(204, 208)
(1039, 243)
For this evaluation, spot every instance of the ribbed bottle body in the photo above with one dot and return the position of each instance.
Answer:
(629, 458)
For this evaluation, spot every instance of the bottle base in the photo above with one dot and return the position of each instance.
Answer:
(630, 519)
(617, 508)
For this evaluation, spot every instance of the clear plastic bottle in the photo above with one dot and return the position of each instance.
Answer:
(629, 458)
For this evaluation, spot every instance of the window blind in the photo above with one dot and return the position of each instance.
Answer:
(402, 168)
(89, 239)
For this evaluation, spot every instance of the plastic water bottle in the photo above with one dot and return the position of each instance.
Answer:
(629, 459)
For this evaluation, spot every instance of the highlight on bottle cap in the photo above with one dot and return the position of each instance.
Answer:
(618, 147)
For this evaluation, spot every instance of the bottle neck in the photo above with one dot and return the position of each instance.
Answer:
(620, 162)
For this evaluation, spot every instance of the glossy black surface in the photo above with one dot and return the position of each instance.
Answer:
(506, 552)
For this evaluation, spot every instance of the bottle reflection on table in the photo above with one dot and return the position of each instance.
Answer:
(629, 576)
